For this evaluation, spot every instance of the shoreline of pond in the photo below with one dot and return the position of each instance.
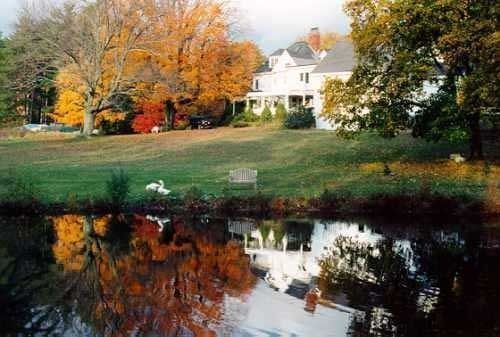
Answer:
(415, 206)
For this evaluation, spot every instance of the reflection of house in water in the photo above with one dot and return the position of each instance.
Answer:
(290, 250)
(241, 227)
(290, 253)
(490, 238)
(449, 238)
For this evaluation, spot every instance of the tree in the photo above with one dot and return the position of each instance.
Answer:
(266, 116)
(300, 118)
(32, 74)
(177, 52)
(70, 104)
(187, 274)
(328, 39)
(148, 115)
(195, 62)
(281, 112)
(402, 48)
(69, 108)
(98, 41)
(6, 95)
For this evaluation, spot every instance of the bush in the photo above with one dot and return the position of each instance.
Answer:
(243, 119)
(229, 113)
(266, 116)
(281, 113)
(182, 125)
(194, 198)
(21, 190)
(247, 116)
(118, 188)
(300, 118)
(250, 116)
(149, 115)
(240, 124)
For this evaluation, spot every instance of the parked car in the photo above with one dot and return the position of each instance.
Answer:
(36, 127)
(201, 122)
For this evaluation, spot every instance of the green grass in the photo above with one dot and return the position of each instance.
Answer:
(290, 163)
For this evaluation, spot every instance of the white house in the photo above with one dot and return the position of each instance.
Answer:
(294, 76)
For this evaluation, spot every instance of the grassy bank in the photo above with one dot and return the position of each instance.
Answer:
(294, 164)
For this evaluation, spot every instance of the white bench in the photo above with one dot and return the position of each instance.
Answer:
(243, 176)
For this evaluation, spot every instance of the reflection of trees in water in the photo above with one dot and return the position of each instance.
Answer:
(299, 233)
(24, 255)
(165, 283)
(387, 282)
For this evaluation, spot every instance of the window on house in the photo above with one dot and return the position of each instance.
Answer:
(256, 84)
(307, 77)
(302, 77)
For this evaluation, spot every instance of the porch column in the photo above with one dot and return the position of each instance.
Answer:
(287, 102)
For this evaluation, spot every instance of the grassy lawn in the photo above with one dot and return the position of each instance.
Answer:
(290, 163)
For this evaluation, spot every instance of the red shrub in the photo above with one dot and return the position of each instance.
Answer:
(149, 115)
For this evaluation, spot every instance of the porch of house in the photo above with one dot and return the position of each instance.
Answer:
(257, 101)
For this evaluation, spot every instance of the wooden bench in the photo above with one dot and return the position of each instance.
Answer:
(243, 176)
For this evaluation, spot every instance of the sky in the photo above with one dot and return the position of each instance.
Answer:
(8, 11)
(272, 24)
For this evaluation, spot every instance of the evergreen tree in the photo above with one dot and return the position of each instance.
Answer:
(266, 116)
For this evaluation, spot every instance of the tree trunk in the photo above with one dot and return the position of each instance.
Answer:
(170, 107)
(88, 123)
(476, 144)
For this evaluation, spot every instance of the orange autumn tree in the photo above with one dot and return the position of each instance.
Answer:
(197, 63)
(181, 53)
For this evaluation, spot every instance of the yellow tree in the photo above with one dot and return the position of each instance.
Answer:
(97, 41)
(70, 104)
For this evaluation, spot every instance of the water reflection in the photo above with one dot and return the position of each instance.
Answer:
(173, 280)
(394, 280)
(137, 275)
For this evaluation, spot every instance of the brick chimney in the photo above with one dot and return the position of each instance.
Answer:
(314, 39)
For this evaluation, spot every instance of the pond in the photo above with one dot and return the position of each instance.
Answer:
(143, 275)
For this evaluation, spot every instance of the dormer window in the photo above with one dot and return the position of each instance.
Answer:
(256, 84)
(302, 77)
(273, 61)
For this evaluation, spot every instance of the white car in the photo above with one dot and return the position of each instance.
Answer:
(36, 127)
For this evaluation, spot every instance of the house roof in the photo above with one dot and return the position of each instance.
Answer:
(278, 52)
(301, 49)
(264, 68)
(302, 54)
(339, 59)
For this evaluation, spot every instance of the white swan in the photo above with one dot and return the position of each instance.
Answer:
(163, 191)
(161, 222)
(153, 187)
(158, 187)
